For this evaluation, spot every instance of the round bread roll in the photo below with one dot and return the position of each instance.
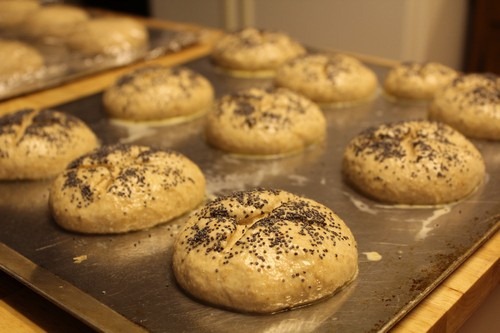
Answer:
(109, 36)
(330, 79)
(253, 52)
(54, 22)
(470, 104)
(265, 122)
(122, 188)
(155, 93)
(13, 13)
(264, 251)
(414, 163)
(38, 144)
(417, 81)
(22, 60)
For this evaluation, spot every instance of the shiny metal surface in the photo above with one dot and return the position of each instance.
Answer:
(404, 252)
(63, 65)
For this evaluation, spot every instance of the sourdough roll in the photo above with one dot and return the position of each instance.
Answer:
(328, 78)
(254, 52)
(413, 162)
(417, 81)
(264, 251)
(157, 93)
(122, 188)
(13, 13)
(470, 104)
(112, 36)
(262, 122)
(54, 22)
(23, 61)
(37, 144)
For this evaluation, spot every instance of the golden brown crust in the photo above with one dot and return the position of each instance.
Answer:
(265, 122)
(334, 78)
(413, 162)
(264, 251)
(156, 93)
(123, 188)
(38, 144)
(470, 104)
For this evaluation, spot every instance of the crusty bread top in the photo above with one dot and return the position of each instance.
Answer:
(414, 80)
(158, 92)
(264, 251)
(20, 59)
(265, 122)
(121, 188)
(328, 78)
(40, 143)
(470, 104)
(54, 21)
(126, 158)
(255, 49)
(413, 162)
(110, 36)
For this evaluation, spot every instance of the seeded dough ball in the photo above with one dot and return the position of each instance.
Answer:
(265, 122)
(14, 12)
(413, 162)
(264, 251)
(155, 93)
(38, 144)
(22, 60)
(254, 52)
(54, 22)
(110, 36)
(123, 188)
(417, 81)
(329, 79)
(470, 104)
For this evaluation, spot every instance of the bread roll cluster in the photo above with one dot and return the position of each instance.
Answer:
(259, 250)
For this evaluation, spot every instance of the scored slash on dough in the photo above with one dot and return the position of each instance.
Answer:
(242, 226)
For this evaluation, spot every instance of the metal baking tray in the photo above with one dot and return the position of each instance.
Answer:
(125, 282)
(63, 65)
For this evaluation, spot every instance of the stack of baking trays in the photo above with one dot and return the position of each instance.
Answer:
(125, 281)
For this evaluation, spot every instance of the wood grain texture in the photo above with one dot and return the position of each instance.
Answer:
(21, 310)
(449, 306)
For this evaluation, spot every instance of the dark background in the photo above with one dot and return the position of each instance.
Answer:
(137, 7)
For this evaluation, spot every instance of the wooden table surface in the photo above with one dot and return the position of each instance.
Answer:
(444, 310)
